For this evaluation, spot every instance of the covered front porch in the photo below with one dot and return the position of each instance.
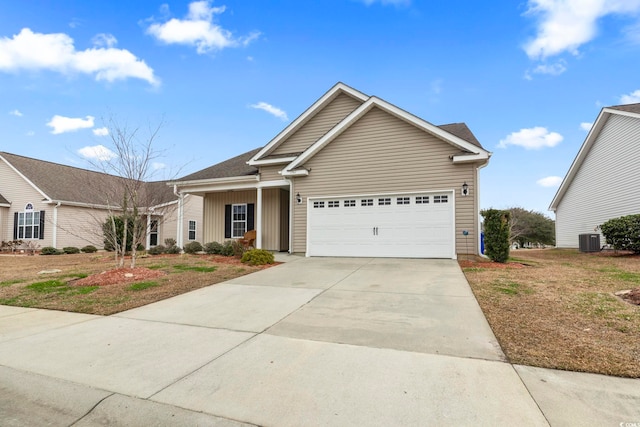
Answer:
(234, 206)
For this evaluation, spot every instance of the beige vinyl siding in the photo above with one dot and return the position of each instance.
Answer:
(319, 124)
(603, 186)
(383, 154)
(19, 192)
(4, 213)
(271, 219)
(78, 226)
(271, 173)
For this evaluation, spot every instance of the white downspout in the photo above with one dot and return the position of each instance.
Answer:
(148, 242)
(54, 240)
(180, 225)
(478, 228)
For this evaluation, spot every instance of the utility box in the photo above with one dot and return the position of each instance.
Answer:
(589, 242)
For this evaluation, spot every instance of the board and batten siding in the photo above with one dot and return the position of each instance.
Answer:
(213, 221)
(318, 125)
(383, 154)
(603, 188)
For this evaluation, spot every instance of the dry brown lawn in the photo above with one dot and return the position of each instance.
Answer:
(86, 283)
(560, 310)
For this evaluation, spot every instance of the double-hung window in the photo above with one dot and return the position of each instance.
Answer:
(192, 230)
(29, 223)
(238, 220)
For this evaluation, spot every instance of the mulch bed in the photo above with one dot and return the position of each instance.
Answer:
(119, 275)
(632, 297)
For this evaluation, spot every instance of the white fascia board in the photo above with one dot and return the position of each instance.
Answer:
(280, 160)
(622, 113)
(277, 183)
(25, 178)
(471, 157)
(307, 114)
(5, 205)
(214, 181)
(398, 112)
(297, 172)
(582, 153)
(83, 205)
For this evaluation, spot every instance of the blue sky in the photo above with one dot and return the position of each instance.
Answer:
(225, 77)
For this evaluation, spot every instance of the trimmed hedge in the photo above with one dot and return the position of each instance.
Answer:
(193, 247)
(89, 249)
(71, 250)
(257, 257)
(156, 250)
(50, 250)
(496, 234)
(212, 248)
(623, 233)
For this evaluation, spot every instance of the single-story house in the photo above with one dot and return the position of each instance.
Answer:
(353, 175)
(600, 184)
(49, 204)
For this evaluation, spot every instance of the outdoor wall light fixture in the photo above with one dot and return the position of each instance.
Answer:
(465, 189)
(298, 198)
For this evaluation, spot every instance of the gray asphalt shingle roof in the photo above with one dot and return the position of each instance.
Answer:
(71, 184)
(631, 108)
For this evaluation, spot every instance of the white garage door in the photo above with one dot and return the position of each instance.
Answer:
(419, 225)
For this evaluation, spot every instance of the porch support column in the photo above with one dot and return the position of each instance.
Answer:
(148, 243)
(258, 223)
(180, 225)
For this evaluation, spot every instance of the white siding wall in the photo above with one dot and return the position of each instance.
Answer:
(604, 186)
(383, 154)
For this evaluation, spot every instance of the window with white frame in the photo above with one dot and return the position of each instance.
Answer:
(385, 201)
(403, 200)
(29, 223)
(441, 199)
(366, 202)
(318, 205)
(333, 204)
(238, 220)
(422, 200)
(192, 230)
(349, 203)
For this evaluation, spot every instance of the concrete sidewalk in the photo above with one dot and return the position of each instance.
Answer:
(315, 341)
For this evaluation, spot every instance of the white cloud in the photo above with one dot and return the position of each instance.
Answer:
(61, 124)
(550, 181)
(275, 111)
(104, 40)
(532, 138)
(101, 131)
(565, 25)
(586, 126)
(31, 133)
(97, 152)
(552, 69)
(56, 52)
(16, 113)
(157, 166)
(631, 98)
(198, 29)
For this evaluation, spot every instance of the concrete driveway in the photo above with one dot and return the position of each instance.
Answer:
(315, 341)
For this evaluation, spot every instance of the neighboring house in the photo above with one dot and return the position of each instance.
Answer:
(600, 184)
(50, 204)
(352, 176)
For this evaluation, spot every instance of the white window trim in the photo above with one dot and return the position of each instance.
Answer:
(22, 229)
(234, 221)
(195, 229)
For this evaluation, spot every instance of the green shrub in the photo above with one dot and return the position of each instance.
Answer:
(50, 250)
(623, 233)
(89, 249)
(157, 250)
(71, 250)
(257, 257)
(171, 246)
(496, 234)
(227, 248)
(238, 248)
(193, 247)
(212, 248)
